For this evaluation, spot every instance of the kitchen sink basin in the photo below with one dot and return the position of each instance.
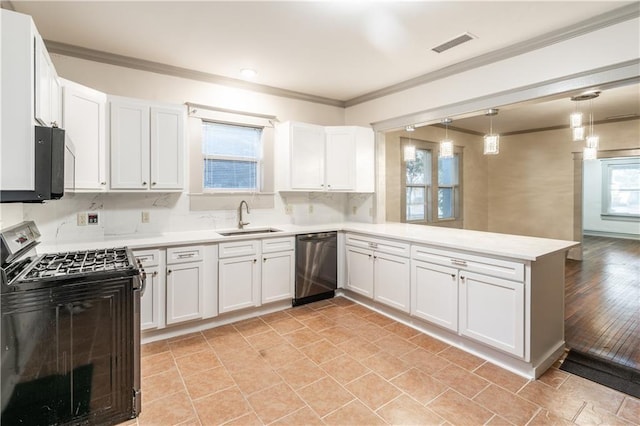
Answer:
(248, 231)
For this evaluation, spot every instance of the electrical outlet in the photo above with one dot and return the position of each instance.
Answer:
(310, 208)
(82, 219)
(354, 209)
(288, 209)
(92, 218)
(145, 217)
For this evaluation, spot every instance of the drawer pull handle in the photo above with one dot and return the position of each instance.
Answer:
(459, 262)
(185, 255)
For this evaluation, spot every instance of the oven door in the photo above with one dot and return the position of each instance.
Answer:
(69, 353)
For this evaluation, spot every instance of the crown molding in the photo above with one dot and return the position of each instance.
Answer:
(613, 17)
(7, 4)
(161, 68)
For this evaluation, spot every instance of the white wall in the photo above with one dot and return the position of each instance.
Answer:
(10, 214)
(592, 205)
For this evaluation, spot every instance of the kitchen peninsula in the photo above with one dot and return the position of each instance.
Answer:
(498, 296)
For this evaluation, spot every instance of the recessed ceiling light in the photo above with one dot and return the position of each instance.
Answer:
(248, 73)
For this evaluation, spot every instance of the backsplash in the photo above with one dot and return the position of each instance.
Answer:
(121, 214)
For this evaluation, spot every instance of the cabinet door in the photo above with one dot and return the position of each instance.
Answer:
(83, 113)
(150, 301)
(360, 271)
(238, 283)
(184, 292)
(340, 165)
(492, 311)
(167, 148)
(307, 156)
(43, 77)
(391, 285)
(434, 294)
(129, 145)
(278, 274)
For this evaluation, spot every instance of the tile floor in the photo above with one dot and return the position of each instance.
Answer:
(336, 362)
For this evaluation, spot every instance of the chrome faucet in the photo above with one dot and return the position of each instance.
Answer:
(241, 224)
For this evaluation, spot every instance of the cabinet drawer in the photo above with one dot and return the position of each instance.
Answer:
(184, 254)
(468, 262)
(147, 257)
(272, 245)
(238, 248)
(385, 246)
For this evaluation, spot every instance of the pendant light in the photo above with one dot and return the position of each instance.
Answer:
(409, 153)
(592, 140)
(578, 130)
(491, 140)
(446, 145)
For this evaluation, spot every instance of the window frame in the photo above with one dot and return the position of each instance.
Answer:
(259, 161)
(431, 216)
(607, 166)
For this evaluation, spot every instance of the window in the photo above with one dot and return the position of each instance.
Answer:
(231, 156)
(432, 189)
(621, 188)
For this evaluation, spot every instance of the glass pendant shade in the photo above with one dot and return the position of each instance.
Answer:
(578, 133)
(576, 120)
(592, 142)
(491, 144)
(446, 148)
(409, 153)
(590, 153)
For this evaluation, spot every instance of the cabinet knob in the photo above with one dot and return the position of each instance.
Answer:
(255, 260)
(153, 183)
(144, 183)
(169, 272)
(103, 183)
(453, 276)
(462, 277)
(155, 273)
(264, 260)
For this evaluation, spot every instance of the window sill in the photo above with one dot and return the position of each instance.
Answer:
(620, 218)
(230, 200)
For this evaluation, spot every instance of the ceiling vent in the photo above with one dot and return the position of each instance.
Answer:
(453, 42)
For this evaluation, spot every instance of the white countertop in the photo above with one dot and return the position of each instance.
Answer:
(488, 243)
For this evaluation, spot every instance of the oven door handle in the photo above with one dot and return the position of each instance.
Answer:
(143, 282)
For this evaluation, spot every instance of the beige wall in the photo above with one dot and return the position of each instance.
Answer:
(531, 182)
(527, 189)
(474, 174)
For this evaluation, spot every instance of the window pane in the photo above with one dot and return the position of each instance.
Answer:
(227, 174)
(625, 202)
(625, 177)
(448, 171)
(415, 204)
(446, 200)
(419, 170)
(230, 140)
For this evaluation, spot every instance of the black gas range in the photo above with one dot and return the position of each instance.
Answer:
(70, 333)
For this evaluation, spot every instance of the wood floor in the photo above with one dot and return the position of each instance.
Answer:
(602, 305)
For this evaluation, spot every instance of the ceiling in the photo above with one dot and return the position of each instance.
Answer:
(333, 49)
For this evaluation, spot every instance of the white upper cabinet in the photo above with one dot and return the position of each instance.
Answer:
(30, 96)
(147, 146)
(317, 158)
(307, 156)
(47, 99)
(84, 121)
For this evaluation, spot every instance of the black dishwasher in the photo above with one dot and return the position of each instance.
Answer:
(316, 267)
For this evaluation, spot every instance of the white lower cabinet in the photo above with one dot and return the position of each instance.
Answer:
(239, 283)
(185, 284)
(375, 273)
(278, 276)
(253, 272)
(492, 311)
(152, 312)
(238, 275)
(435, 294)
(482, 307)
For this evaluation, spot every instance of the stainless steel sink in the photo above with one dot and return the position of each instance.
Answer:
(236, 232)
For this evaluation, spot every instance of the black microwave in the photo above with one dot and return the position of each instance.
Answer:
(49, 169)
